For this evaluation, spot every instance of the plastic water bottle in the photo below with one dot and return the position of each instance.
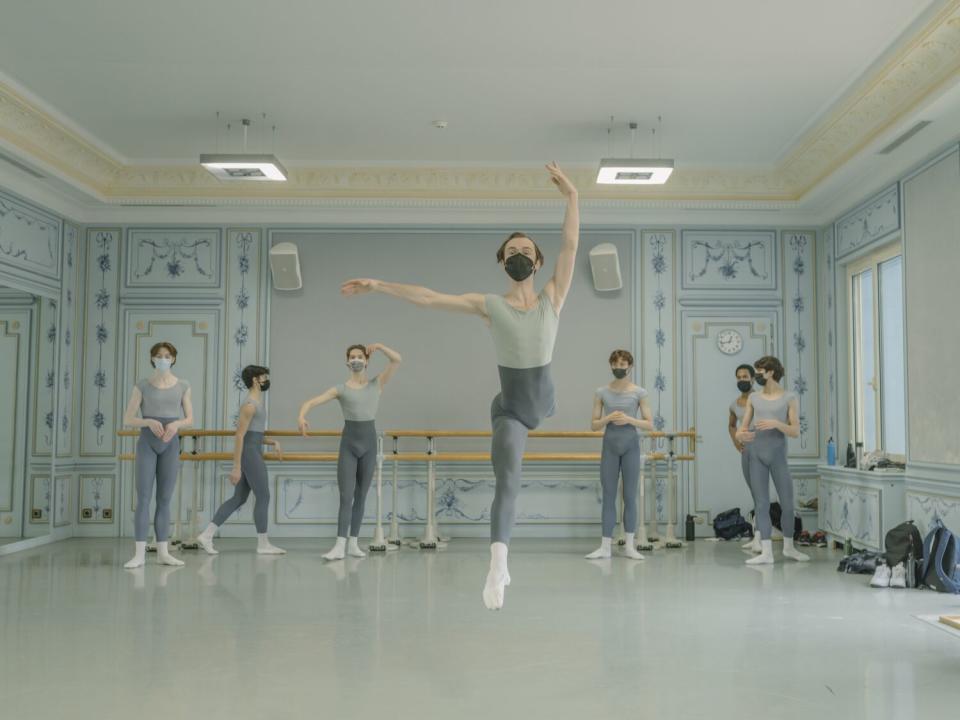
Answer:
(831, 452)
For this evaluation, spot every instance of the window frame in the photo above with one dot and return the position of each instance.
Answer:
(871, 261)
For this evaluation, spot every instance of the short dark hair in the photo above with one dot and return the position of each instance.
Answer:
(748, 368)
(621, 355)
(252, 371)
(769, 362)
(163, 345)
(361, 348)
(501, 253)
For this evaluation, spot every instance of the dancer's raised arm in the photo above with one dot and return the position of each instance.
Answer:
(559, 285)
(470, 303)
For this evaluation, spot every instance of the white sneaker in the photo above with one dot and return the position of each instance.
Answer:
(898, 576)
(881, 577)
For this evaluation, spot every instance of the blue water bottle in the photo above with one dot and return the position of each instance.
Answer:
(831, 452)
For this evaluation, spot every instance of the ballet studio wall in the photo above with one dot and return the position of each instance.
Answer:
(696, 302)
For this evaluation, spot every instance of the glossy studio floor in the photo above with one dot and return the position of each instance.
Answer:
(691, 633)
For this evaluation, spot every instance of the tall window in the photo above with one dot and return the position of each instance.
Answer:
(878, 400)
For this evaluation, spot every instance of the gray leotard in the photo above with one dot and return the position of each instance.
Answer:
(523, 341)
(157, 461)
(357, 459)
(162, 402)
(359, 404)
(253, 473)
(768, 457)
(620, 454)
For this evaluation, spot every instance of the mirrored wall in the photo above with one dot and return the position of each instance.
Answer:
(29, 502)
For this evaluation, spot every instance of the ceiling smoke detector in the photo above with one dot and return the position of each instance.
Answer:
(262, 167)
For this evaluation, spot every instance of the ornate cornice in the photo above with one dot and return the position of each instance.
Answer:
(922, 65)
(43, 138)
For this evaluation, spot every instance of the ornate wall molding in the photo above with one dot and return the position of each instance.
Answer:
(100, 348)
(869, 222)
(68, 345)
(921, 65)
(800, 334)
(729, 260)
(172, 258)
(29, 239)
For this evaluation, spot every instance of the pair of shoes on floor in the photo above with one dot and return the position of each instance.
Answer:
(884, 576)
(819, 539)
(804, 539)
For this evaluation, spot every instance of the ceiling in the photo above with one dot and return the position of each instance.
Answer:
(519, 82)
(740, 84)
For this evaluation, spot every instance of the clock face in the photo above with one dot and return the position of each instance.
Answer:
(729, 342)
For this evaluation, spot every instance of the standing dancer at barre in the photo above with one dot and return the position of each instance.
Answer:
(620, 409)
(524, 328)
(773, 414)
(359, 399)
(164, 403)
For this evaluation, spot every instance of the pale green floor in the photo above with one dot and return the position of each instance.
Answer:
(690, 633)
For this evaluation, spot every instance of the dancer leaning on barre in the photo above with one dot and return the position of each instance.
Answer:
(249, 472)
(359, 399)
(774, 414)
(524, 327)
(615, 411)
(163, 402)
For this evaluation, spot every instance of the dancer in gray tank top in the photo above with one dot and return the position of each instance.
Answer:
(523, 324)
(620, 409)
(744, 375)
(359, 399)
(249, 472)
(164, 406)
(774, 416)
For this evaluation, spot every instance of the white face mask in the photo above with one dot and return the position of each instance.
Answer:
(357, 365)
(162, 363)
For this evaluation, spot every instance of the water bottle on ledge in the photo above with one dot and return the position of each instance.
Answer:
(831, 452)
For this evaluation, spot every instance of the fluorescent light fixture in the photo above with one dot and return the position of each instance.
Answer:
(263, 168)
(631, 171)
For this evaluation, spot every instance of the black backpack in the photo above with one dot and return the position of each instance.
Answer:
(730, 524)
(903, 544)
(940, 571)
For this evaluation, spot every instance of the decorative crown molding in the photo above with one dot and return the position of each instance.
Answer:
(922, 65)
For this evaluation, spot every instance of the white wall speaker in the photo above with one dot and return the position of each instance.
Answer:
(285, 266)
(605, 266)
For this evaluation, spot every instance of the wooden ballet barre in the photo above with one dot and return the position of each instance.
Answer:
(559, 434)
(230, 433)
(411, 457)
(209, 456)
(527, 457)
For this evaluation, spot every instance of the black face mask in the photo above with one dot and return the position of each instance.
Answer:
(744, 385)
(620, 373)
(519, 267)
(761, 380)
(264, 386)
